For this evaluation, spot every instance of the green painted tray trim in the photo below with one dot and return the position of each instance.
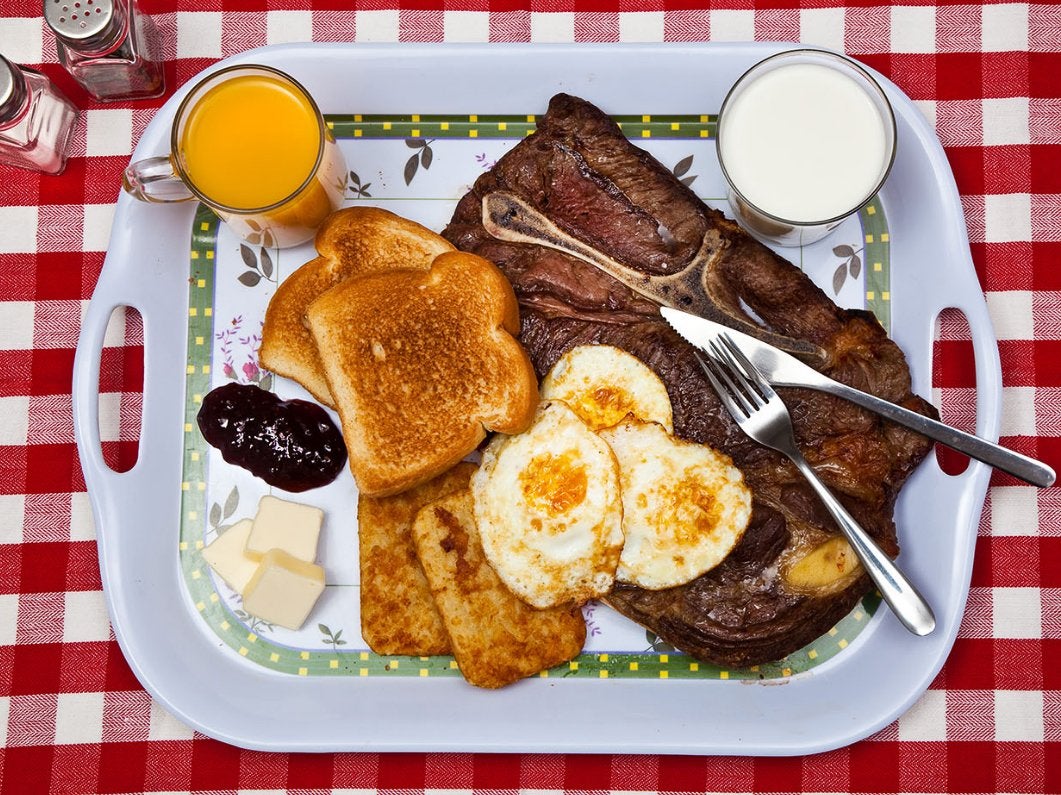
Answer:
(248, 637)
(494, 126)
(197, 383)
(877, 261)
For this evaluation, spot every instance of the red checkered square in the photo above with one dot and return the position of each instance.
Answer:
(1044, 168)
(1021, 766)
(510, 26)
(50, 371)
(73, 768)
(837, 770)
(772, 774)
(123, 765)
(958, 28)
(167, 766)
(1005, 74)
(262, 767)
(31, 720)
(416, 25)
(57, 324)
(83, 667)
(996, 265)
(596, 27)
(1006, 169)
(967, 164)
(27, 770)
(241, 30)
(687, 25)
(867, 31)
(1044, 28)
(333, 26)
(126, 716)
(40, 618)
(977, 621)
(777, 25)
(1052, 716)
(1046, 217)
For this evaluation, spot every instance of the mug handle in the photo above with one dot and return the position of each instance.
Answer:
(154, 180)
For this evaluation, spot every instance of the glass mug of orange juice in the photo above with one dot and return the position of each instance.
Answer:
(250, 143)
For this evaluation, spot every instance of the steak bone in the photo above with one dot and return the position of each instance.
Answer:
(693, 289)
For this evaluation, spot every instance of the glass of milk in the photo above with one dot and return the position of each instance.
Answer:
(805, 139)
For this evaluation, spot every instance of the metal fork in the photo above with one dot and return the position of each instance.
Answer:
(762, 415)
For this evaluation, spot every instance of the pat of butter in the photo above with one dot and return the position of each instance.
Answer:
(284, 589)
(225, 556)
(284, 525)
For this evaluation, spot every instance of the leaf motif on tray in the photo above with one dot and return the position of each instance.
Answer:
(335, 639)
(424, 157)
(247, 254)
(851, 265)
(681, 168)
(231, 503)
(359, 190)
(260, 264)
(839, 277)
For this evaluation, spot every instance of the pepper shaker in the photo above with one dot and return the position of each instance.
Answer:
(108, 46)
(35, 120)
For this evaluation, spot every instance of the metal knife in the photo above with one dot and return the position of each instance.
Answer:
(783, 369)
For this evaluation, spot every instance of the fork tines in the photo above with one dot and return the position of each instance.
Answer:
(745, 386)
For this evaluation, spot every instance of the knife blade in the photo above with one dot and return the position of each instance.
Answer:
(782, 369)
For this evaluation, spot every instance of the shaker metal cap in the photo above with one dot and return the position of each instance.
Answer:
(12, 89)
(82, 24)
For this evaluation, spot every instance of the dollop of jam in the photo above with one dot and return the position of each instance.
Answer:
(290, 444)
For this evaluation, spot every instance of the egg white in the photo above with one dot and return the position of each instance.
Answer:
(685, 505)
(604, 384)
(549, 511)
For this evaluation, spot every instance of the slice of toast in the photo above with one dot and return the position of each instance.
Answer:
(350, 242)
(422, 365)
(398, 614)
(496, 637)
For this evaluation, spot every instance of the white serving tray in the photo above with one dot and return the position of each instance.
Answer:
(216, 689)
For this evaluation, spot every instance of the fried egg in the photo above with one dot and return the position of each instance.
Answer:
(604, 384)
(548, 509)
(685, 505)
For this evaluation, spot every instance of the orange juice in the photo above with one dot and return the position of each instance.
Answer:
(250, 141)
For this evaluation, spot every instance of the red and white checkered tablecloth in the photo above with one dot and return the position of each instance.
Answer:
(73, 719)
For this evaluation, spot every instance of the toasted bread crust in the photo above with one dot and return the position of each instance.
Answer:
(351, 242)
(422, 365)
(398, 613)
(496, 638)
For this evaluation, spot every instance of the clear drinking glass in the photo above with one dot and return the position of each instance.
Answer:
(805, 139)
(250, 143)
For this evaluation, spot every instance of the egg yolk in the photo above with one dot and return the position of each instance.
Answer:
(691, 511)
(554, 484)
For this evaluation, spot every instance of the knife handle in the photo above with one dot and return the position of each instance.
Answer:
(1016, 464)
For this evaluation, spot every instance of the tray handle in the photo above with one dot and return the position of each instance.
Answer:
(147, 285)
(86, 396)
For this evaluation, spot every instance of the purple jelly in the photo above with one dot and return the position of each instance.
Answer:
(290, 444)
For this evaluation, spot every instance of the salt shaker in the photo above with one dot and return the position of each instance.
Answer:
(108, 46)
(35, 120)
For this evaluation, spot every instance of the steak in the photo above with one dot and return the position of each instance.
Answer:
(580, 171)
